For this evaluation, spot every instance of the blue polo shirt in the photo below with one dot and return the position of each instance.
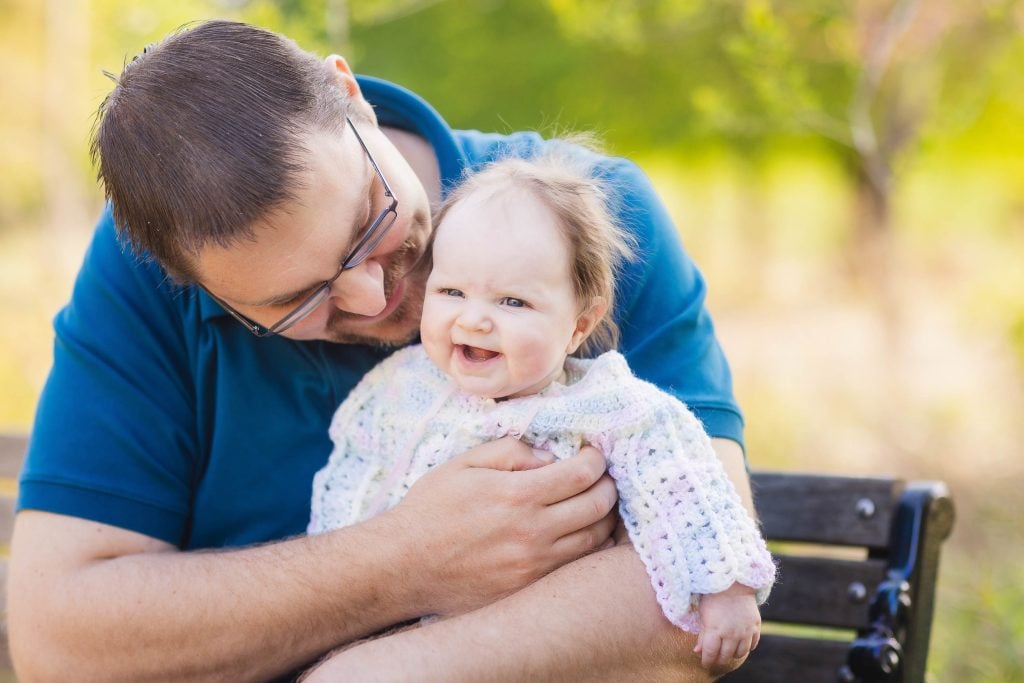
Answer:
(165, 416)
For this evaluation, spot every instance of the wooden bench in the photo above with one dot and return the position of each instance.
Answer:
(858, 562)
(12, 452)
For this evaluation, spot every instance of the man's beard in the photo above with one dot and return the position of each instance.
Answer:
(403, 325)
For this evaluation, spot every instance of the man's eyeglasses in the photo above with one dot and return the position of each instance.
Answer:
(368, 241)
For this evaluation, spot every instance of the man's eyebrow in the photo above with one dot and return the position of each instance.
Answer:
(285, 298)
(358, 223)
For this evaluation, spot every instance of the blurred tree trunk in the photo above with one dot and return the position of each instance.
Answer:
(882, 125)
(337, 25)
(65, 73)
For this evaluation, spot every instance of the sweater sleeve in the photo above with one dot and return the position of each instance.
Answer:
(683, 514)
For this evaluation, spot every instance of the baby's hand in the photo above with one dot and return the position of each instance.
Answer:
(730, 625)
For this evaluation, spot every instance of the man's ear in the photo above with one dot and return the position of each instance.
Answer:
(344, 76)
(345, 79)
(586, 322)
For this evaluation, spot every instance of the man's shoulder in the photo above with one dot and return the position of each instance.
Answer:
(118, 290)
(482, 148)
(112, 265)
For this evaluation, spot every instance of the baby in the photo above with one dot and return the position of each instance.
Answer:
(524, 258)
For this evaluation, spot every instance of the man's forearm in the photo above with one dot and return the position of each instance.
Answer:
(91, 601)
(731, 456)
(239, 615)
(594, 619)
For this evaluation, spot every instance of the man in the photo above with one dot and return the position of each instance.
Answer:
(170, 465)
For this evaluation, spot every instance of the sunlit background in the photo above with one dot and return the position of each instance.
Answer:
(848, 175)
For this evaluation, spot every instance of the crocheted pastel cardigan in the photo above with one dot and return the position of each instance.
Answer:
(682, 513)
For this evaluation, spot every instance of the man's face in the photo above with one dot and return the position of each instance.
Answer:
(302, 244)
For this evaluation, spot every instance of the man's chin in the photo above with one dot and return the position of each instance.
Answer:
(384, 341)
(397, 330)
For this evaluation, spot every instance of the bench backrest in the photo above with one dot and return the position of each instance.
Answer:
(858, 561)
(856, 554)
(12, 453)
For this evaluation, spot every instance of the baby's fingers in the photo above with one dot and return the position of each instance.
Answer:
(742, 649)
(726, 652)
(710, 649)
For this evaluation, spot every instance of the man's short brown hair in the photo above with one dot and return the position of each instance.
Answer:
(203, 135)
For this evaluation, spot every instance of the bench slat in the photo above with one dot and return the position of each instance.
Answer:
(787, 659)
(12, 454)
(823, 592)
(5, 655)
(6, 522)
(851, 511)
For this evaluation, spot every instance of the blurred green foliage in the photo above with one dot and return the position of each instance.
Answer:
(669, 76)
(765, 124)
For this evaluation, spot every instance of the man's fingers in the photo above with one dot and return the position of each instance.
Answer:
(507, 454)
(589, 538)
(582, 510)
(567, 478)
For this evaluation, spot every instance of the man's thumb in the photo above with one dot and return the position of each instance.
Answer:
(510, 455)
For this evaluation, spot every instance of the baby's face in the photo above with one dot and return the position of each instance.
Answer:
(500, 315)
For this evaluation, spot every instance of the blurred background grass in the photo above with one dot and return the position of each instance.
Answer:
(849, 176)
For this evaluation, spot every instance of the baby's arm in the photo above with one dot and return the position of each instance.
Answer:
(684, 516)
(730, 625)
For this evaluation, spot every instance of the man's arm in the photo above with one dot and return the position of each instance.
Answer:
(594, 619)
(735, 464)
(89, 601)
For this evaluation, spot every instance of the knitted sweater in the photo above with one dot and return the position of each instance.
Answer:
(682, 513)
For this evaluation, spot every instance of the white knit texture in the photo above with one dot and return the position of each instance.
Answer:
(682, 513)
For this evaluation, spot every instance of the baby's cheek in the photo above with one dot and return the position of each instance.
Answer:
(433, 340)
(536, 364)
(435, 350)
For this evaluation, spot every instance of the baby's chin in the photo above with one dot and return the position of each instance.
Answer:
(474, 388)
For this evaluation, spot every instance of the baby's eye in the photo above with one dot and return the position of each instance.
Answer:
(449, 291)
(514, 302)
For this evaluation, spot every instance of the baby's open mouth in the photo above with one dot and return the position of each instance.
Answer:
(476, 354)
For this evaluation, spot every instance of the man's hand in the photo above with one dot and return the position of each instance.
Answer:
(730, 626)
(498, 517)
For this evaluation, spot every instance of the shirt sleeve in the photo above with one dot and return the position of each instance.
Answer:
(114, 439)
(667, 333)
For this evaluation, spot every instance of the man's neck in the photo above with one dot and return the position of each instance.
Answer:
(421, 157)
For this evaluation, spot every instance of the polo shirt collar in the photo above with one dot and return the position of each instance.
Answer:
(396, 107)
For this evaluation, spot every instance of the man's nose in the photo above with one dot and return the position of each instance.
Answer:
(360, 290)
